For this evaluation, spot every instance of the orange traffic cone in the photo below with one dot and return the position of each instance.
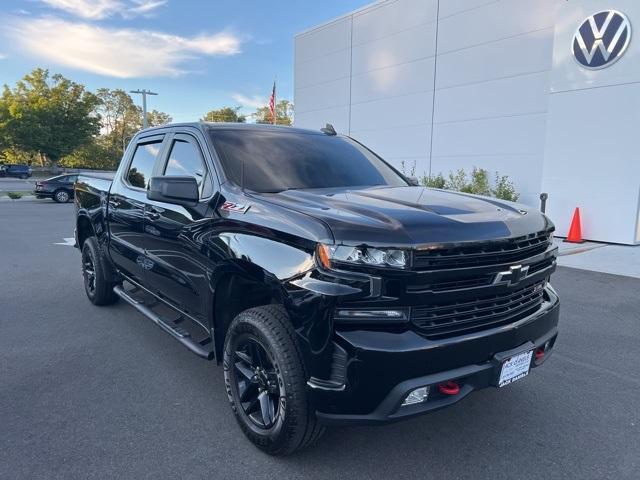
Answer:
(575, 230)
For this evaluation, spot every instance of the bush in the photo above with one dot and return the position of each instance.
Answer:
(478, 183)
(504, 189)
(436, 181)
(14, 195)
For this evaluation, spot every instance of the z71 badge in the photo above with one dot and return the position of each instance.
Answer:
(235, 207)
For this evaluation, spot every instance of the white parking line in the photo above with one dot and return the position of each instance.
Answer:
(68, 242)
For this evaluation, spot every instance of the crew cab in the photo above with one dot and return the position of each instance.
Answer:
(331, 288)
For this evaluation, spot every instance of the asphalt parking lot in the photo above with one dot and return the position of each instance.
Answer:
(88, 392)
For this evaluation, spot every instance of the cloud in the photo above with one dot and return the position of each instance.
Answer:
(255, 101)
(99, 9)
(2, 56)
(122, 53)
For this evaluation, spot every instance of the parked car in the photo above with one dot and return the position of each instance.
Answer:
(331, 289)
(59, 188)
(19, 171)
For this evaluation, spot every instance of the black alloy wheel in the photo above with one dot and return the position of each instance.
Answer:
(265, 379)
(257, 382)
(98, 281)
(89, 272)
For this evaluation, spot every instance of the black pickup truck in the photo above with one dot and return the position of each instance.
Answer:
(332, 289)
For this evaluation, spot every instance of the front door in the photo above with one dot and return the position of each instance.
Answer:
(173, 233)
(127, 200)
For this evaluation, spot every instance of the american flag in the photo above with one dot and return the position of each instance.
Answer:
(272, 104)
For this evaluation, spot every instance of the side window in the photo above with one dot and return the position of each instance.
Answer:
(141, 168)
(186, 160)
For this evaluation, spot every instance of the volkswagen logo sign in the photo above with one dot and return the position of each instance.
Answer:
(601, 39)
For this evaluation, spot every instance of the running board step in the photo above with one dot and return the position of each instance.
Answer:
(179, 333)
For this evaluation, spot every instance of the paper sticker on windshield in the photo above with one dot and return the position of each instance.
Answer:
(234, 207)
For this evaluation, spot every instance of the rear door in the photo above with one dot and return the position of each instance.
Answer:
(127, 202)
(173, 233)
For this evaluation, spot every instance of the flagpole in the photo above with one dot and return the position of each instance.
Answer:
(275, 108)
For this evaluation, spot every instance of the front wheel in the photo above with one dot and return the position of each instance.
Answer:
(265, 381)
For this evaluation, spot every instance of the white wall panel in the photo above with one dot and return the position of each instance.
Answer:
(405, 79)
(324, 40)
(453, 7)
(494, 21)
(505, 58)
(402, 142)
(591, 160)
(323, 69)
(408, 110)
(324, 95)
(406, 46)
(387, 18)
(503, 97)
(502, 136)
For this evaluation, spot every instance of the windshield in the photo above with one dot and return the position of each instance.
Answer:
(275, 161)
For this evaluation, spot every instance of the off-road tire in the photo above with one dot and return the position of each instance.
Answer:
(102, 292)
(298, 426)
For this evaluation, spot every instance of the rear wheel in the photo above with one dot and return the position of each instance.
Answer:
(97, 284)
(24, 177)
(61, 196)
(265, 381)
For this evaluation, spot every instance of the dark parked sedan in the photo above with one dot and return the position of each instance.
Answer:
(19, 171)
(58, 188)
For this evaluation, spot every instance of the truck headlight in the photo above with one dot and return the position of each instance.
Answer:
(377, 257)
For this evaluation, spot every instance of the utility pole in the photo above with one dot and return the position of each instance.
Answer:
(144, 94)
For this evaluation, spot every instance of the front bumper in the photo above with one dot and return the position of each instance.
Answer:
(382, 367)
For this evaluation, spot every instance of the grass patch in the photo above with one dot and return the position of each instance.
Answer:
(15, 195)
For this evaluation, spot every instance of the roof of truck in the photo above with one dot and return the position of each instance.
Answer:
(234, 126)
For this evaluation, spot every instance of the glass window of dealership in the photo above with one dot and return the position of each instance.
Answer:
(547, 92)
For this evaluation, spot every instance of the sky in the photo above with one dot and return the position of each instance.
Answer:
(198, 55)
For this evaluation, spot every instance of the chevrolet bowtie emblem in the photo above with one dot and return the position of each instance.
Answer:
(514, 275)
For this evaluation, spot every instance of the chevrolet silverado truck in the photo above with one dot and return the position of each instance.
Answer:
(332, 289)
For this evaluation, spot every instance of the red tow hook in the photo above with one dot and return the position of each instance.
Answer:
(449, 388)
(539, 355)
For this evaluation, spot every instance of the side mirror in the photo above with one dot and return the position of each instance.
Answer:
(177, 190)
(413, 181)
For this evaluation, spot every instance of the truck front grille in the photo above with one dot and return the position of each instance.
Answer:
(482, 253)
(473, 314)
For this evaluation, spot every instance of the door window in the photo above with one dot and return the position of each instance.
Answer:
(141, 168)
(185, 160)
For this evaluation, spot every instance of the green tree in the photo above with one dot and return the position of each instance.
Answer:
(284, 113)
(156, 118)
(224, 114)
(48, 115)
(95, 155)
(121, 119)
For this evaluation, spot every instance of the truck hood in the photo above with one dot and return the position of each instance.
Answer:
(401, 216)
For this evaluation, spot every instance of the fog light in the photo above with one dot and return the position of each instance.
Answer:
(418, 395)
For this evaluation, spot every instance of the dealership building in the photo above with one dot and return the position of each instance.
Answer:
(545, 91)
